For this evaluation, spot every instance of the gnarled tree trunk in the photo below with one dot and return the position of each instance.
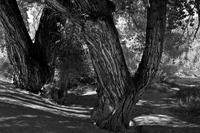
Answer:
(114, 80)
(30, 70)
(118, 92)
(20, 45)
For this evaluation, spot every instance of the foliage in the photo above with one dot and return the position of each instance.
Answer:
(180, 14)
(175, 45)
(73, 63)
(131, 23)
(6, 69)
(2, 39)
(31, 12)
(107, 57)
(130, 20)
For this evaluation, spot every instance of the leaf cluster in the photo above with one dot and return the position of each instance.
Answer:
(180, 14)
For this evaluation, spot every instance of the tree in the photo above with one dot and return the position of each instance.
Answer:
(118, 92)
(32, 70)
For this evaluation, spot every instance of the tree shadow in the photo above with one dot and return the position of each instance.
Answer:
(156, 113)
(24, 112)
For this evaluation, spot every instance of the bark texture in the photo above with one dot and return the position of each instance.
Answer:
(30, 70)
(113, 77)
(19, 48)
(118, 92)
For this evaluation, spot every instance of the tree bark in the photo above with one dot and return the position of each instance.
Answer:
(113, 77)
(28, 66)
(118, 92)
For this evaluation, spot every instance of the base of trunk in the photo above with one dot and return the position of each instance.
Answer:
(116, 118)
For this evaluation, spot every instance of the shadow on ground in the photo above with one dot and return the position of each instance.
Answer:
(157, 112)
(23, 112)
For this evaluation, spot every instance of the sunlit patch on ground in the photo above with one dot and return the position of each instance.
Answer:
(16, 117)
(165, 103)
(163, 120)
(83, 90)
(24, 112)
(24, 98)
(64, 111)
(155, 109)
(152, 112)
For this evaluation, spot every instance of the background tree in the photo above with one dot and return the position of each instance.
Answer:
(31, 70)
(44, 51)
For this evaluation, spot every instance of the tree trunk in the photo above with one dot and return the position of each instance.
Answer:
(155, 31)
(118, 92)
(114, 80)
(28, 66)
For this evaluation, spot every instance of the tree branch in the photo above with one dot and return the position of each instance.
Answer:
(156, 22)
(198, 12)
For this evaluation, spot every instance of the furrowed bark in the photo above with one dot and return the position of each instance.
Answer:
(117, 99)
(156, 23)
(110, 67)
(21, 50)
(19, 42)
(118, 92)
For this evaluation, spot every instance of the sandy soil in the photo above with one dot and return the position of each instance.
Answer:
(23, 112)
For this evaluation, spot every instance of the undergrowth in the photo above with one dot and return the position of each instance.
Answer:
(188, 98)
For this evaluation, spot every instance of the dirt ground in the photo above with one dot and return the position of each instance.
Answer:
(23, 112)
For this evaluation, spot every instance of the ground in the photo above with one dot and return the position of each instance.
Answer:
(23, 112)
